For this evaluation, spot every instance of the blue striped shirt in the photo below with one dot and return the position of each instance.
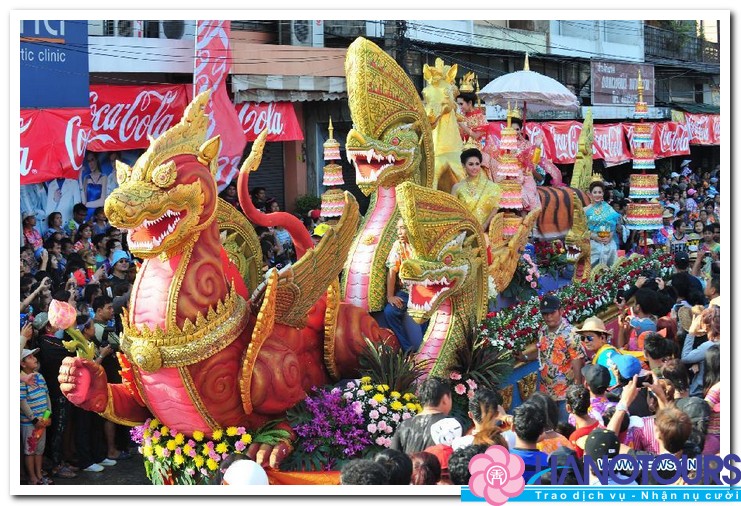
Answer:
(36, 396)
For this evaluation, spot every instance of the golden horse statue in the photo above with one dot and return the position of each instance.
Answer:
(439, 101)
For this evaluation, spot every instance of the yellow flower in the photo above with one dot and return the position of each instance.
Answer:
(165, 430)
(198, 436)
(222, 447)
(396, 406)
(365, 379)
(418, 408)
(159, 450)
(246, 438)
(178, 459)
(379, 398)
(231, 431)
(147, 451)
(367, 387)
(212, 465)
(395, 394)
(154, 424)
(171, 445)
(206, 450)
(407, 397)
(179, 439)
(146, 433)
(187, 449)
(155, 440)
(411, 406)
(382, 388)
(198, 460)
(217, 435)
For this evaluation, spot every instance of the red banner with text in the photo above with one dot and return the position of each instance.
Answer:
(211, 68)
(124, 117)
(669, 138)
(53, 143)
(278, 117)
(703, 128)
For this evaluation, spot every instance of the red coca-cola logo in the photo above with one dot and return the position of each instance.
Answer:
(673, 140)
(26, 161)
(699, 127)
(255, 118)
(566, 143)
(75, 141)
(148, 115)
(610, 142)
(716, 129)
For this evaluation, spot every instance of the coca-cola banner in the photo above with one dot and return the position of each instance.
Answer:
(124, 117)
(703, 128)
(668, 138)
(610, 145)
(212, 63)
(53, 143)
(278, 117)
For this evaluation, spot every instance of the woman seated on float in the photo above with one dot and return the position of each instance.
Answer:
(476, 192)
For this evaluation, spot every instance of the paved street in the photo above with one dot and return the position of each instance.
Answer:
(126, 472)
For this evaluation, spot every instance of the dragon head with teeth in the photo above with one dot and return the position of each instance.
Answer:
(449, 250)
(170, 193)
(384, 162)
(391, 139)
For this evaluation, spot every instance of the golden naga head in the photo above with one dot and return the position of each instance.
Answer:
(170, 194)
(391, 140)
(440, 72)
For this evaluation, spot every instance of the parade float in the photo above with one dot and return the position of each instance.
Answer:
(292, 367)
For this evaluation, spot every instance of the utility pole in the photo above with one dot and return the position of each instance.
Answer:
(396, 42)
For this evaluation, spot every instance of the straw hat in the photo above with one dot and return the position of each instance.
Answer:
(684, 317)
(593, 324)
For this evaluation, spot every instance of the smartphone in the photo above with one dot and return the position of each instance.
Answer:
(109, 292)
(642, 380)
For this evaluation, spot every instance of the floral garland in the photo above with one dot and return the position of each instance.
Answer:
(514, 328)
(551, 257)
(172, 457)
(525, 280)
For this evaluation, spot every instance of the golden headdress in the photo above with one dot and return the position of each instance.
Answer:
(467, 81)
(516, 113)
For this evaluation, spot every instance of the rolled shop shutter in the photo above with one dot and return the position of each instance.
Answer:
(270, 174)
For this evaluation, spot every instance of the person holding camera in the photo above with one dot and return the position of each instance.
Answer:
(105, 336)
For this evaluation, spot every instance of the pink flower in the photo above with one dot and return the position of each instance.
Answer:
(373, 402)
(470, 394)
(496, 475)
(406, 415)
(241, 431)
(347, 395)
(383, 410)
(528, 278)
(395, 417)
(239, 446)
(389, 429)
(357, 407)
(382, 425)
(471, 384)
(373, 415)
(455, 376)
(460, 389)
(372, 428)
(534, 284)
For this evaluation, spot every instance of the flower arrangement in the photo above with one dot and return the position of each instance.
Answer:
(172, 457)
(337, 424)
(463, 390)
(525, 281)
(551, 257)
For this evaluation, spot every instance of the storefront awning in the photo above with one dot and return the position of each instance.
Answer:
(275, 88)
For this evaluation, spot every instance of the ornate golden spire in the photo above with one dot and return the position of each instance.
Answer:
(527, 62)
(640, 86)
(466, 85)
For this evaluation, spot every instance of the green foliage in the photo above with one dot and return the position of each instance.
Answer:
(478, 360)
(398, 369)
(305, 203)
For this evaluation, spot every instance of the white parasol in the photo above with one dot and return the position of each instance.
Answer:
(537, 92)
